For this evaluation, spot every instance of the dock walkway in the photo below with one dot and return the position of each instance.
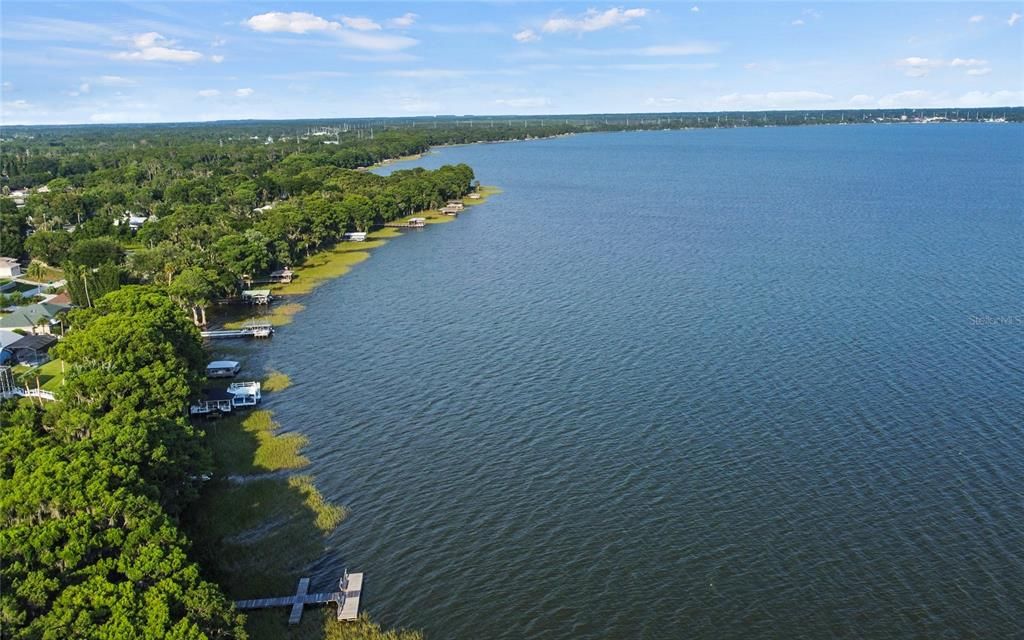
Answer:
(250, 331)
(347, 599)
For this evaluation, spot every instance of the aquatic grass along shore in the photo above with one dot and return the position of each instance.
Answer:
(261, 520)
(342, 257)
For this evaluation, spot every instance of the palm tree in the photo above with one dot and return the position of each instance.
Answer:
(36, 271)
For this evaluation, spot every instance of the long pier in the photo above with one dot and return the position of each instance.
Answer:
(250, 331)
(347, 599)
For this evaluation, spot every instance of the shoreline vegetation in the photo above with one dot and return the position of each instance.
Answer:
(259, 501)
(339, 259)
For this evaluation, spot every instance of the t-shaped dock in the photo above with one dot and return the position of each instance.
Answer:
(351, 585)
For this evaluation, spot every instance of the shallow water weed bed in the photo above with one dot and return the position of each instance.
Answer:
(279, 315)
(276, 381)
(250, 444)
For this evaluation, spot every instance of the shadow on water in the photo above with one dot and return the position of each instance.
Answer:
(257, 524)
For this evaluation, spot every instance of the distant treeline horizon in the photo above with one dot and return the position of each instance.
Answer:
(584, 121)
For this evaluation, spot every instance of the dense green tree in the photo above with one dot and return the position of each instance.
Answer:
(85, 286)
(12, 229)
(89, 489)
(194, 289)
(51, 247)
(95, 251)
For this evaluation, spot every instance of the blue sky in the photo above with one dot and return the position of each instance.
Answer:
(81, 62)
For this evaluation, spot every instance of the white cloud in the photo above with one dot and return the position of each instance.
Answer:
(17, 105)
(984, 71)
(968, 62)
(149, 39)
(664, 102)
(159, 54)
(403, 21)
(219, 42)
(244, 93)
(975, 19)
(217, 58)
(916, 66)
(114, 81)
(208, 93)
(695, 9)
(594, 20)
(861, 100)
(153, 47)
(1014, 18)
(301, 22)
(798, 23)
(994, 99)
(523, 103)
(526, 35)
(360, 24)
(82, 89)
(294, 22)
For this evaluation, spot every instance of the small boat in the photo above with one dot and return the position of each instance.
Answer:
(222, 369)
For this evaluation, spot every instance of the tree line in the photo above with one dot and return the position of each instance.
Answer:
(90, 487)
(214, 214)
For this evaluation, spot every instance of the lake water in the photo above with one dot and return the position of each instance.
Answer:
(701, 384)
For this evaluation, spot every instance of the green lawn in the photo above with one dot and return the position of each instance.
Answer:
(50, 375)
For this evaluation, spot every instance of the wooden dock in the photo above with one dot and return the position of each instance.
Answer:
(353, 589)
(249, 331)
(347, 599)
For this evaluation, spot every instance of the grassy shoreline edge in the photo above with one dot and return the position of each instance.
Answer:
(259, 501)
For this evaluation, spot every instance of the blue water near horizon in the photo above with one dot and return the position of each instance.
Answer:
(689, 384)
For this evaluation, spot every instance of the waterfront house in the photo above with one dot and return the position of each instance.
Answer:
(133, 220)
(356, 236)
(456, 204)
(32, 350)
(256, 296)
(35, 318)
(282, 275)
(9, 268)
(474, 196)
(417, 222)
(449, 210)
(6, 339)
(222, 369)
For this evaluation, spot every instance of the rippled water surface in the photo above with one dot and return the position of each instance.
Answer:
(716, 384)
